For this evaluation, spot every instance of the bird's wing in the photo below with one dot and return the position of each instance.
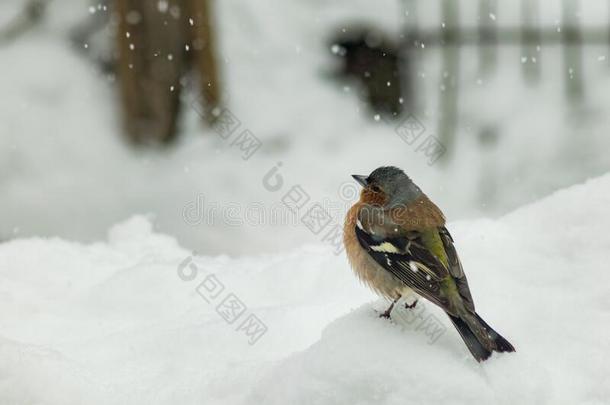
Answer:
(455, 268)
(409, 259)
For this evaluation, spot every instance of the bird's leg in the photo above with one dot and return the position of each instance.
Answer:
(411, 306)
(388, 311)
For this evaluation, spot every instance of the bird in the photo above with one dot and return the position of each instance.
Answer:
(397, 243)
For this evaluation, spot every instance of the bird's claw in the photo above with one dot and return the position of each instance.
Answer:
(388, 311)
(386, 314)
(411, 306)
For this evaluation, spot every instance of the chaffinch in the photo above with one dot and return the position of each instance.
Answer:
(397, 244)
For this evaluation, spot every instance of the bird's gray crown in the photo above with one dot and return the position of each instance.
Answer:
(395, 184)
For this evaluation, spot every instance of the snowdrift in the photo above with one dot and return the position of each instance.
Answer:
(138, 319)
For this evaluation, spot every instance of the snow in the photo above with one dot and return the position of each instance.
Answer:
(113, 322)
(97, 313)
(65, 170)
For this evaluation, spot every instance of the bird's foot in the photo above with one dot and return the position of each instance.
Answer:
(411, 306)
(388, 311)
(386, 314)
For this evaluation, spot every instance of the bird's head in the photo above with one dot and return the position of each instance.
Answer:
(387, 186)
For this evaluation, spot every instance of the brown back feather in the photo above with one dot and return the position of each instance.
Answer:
(418, 215)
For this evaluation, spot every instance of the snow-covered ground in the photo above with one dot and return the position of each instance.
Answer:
(135, 313)
(65, 171)
(126, 321)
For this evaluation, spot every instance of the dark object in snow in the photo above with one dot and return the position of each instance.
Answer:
(30, 16)
(95, 37)
(372, 59)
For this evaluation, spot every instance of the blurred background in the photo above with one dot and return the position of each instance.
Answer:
(210, 116)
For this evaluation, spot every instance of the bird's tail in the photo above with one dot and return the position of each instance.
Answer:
(479, 337)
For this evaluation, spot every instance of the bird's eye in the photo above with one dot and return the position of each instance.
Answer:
(376, 189)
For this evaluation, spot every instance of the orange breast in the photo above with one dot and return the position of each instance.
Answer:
(366, 268)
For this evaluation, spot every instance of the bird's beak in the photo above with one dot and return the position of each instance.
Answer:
(360, 179)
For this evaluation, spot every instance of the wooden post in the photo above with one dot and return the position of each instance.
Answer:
(151, 53)
(449, 75)
(572, 51)
(530, 40)
(156, 40)
(204, 53)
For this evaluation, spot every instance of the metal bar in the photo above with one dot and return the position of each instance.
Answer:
(488, 36)
(572, 52)
(530, 40)
(408, 59)
(449, 75)
(513, 36)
